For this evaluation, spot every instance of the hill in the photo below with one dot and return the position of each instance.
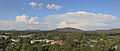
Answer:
(67, 29)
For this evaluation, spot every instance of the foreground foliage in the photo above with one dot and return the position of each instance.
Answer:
(73, 41)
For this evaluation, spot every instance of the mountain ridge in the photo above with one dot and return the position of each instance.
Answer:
(67, 29)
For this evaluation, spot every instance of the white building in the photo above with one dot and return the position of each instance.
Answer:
(94, 40)
(44, 40)
(15, 40)
(33, 41)
(91, 45)
(4, 36)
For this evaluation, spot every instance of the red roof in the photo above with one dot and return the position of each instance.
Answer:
(59, 41)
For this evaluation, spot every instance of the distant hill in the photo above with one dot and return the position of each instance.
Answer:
(67, 29)
(117, 30)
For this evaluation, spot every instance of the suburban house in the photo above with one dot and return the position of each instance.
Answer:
(60, 42)
(15, 40)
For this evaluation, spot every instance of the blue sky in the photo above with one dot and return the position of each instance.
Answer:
(10, 9)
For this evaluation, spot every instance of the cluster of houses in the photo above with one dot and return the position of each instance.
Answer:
(2, 35)
(5, 36)
(48, 41)
(51, 42)
(90, 40)
(33, 41)
(24, 36)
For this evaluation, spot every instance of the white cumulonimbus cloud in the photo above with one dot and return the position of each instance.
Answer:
(64, 24)
(53, 6)
(81, 19)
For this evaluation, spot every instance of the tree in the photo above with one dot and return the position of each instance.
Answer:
(13, 47)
